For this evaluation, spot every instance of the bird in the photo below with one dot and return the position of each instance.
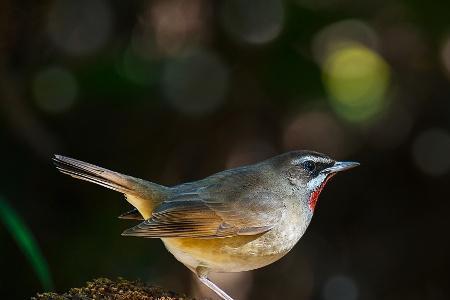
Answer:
(236, 220)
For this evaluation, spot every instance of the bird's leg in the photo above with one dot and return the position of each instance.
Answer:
(214, 288)
(202, 276)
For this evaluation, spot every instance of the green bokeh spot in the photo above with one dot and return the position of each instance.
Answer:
(356, 79)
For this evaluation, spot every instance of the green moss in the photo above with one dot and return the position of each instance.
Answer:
(106, 289)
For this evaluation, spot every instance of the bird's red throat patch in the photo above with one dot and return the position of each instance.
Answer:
(315, 194)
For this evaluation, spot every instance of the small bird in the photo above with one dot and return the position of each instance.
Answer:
(235, 220)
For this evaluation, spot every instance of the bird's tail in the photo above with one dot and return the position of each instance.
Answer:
(143, 195)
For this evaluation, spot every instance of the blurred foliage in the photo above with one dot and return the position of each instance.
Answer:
(26, 243)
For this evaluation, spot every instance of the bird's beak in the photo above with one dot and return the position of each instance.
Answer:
(340, 166)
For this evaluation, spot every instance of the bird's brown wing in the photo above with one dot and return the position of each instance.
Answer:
(223, 206)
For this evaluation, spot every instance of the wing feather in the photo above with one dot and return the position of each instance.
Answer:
(216, 207)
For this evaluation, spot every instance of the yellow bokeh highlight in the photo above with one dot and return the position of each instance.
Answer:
(356, 79)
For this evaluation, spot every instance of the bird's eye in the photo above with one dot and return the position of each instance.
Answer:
(309, 165)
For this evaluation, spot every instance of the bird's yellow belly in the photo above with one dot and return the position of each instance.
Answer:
(240, 253)
(234, 254)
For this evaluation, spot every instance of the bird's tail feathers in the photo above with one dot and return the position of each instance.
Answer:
(143, 195)
(131, 215)
(88, 172)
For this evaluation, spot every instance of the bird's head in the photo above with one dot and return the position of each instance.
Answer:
(309, 171)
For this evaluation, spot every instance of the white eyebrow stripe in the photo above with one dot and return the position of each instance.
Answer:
(312, 158)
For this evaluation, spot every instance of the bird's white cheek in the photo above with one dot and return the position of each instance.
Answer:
(315, 183)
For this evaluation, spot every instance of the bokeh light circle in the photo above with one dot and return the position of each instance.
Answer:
(79, 27)
(356, 79)
(341, 33)
(253, 22)
(177, 24)
(55, 90)
(340, 288)
(196, 83)
(431, 152)
(318, 130)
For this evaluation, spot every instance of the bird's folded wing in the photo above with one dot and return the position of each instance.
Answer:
(201, 215)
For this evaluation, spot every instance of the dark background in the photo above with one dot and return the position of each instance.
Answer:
(172, 91)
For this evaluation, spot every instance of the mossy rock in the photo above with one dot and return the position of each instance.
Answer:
(106, 289)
